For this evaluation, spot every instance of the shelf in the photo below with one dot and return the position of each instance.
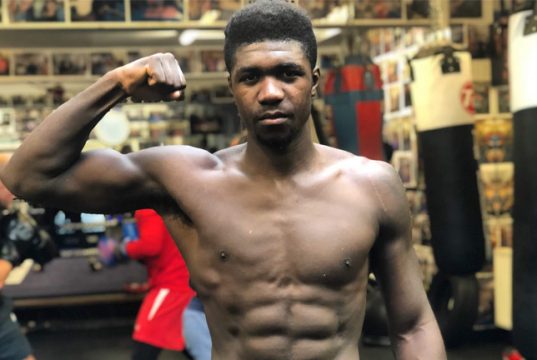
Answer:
(126, 15)
(46, 79)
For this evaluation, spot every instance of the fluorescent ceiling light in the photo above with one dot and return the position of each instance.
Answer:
(325, 34)
(188, 37)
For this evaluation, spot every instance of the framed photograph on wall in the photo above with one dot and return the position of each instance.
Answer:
(7, 123)
(465, 9)
(5, 61)
(70, 64)
(407, 135)
(395, 97)
(150, 10)
(209, 11)
(499, 230)
(504, 106)
(404, 163)
(417, 9)
(494, 140)
(373, 9)
(103, 62)
(497, 187)
(33, 10)
(390, 134)
(212, 61)
(97, 10)
(471, 11)
(29, 64)
(481, 98)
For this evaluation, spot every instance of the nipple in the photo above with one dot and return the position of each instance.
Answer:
(223, 255)
(347, 263)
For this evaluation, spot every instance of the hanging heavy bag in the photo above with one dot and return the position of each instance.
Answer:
(375, 329)
(354, 91)
(523, 77)
(442, 99)
(455, 302)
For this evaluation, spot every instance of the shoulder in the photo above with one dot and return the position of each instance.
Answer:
(176, 156)
(359, 167)
(378, 177)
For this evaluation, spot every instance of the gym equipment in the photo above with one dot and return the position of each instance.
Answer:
(24, 238)
(455, 301)
(355, 93)
(108, 249)
(375, 328)
(523, 77)
(442, 100)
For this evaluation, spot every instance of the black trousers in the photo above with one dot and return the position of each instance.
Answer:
(142, 351)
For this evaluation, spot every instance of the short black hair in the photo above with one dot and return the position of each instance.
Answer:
(269, 20)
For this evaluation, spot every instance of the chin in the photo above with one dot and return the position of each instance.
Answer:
(276, 141)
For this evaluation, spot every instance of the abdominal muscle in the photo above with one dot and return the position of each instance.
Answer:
(294, 322)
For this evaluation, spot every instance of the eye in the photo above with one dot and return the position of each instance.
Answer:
(291, 74)
(248, 78)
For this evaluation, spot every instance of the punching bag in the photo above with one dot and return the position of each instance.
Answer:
(442, 100)
(523, 78)
(354, 91)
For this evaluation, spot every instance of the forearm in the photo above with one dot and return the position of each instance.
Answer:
(56, 144)
(422, 342)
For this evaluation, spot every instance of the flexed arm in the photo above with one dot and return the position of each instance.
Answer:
(50, 168)
(413, 327)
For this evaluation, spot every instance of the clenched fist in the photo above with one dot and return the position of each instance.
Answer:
(153, 78)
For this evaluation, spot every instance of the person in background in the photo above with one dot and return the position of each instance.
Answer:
(158, 324)
(13, 343)
(196, 331)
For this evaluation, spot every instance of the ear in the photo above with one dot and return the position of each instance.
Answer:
(316, 77)
(229, 83)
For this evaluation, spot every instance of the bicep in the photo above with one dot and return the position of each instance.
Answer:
(102, 181)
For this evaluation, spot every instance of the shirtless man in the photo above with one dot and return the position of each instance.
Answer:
(279, 234)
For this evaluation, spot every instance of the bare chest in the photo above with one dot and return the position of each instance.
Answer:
(317, 236)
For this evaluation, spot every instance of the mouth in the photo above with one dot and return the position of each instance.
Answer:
(273, 118)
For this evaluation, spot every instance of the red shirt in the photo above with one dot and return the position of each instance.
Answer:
(158, 251)
(159, 320)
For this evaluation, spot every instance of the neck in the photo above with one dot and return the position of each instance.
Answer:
(296, 156)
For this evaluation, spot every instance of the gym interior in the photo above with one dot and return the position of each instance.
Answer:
(437, 88)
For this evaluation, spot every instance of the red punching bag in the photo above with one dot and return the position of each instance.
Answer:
(354, 91)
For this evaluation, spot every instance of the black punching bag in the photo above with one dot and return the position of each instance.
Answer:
(442, 100)
(523, 78)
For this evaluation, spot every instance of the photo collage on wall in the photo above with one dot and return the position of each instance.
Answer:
(36, 10)
(87, 63)
(205, 11)
(494, 142)
(400, 136)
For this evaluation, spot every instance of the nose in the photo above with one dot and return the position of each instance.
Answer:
(270, 92)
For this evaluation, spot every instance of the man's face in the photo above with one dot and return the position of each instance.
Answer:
(273, 84)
